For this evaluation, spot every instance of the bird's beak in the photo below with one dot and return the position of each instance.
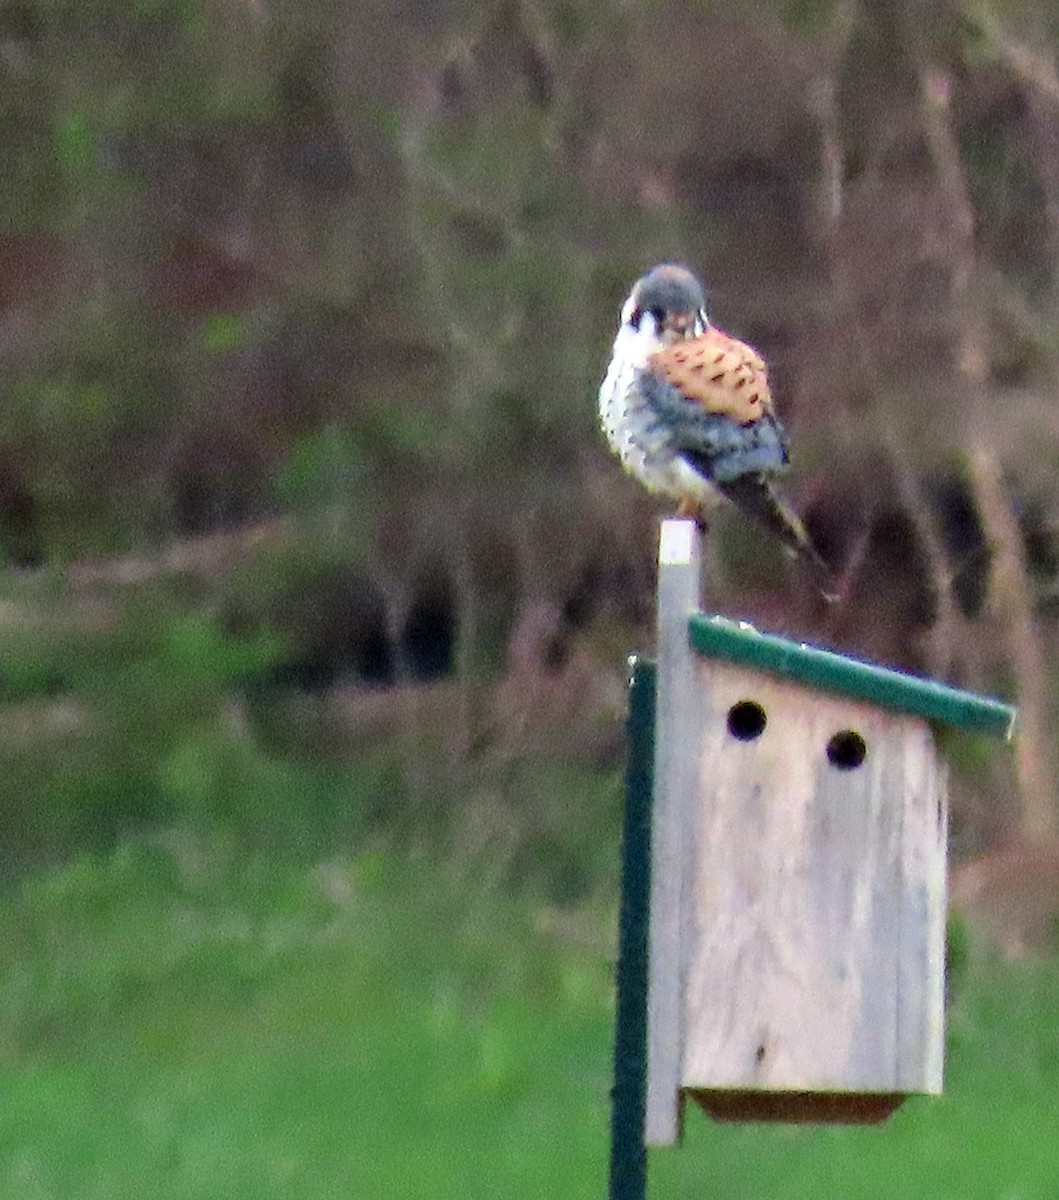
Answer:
(677, 325)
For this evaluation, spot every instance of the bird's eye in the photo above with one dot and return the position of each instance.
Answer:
(658, 314)
(635, 317)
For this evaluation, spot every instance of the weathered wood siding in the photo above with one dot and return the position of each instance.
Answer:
(797, 923)
(813, 940)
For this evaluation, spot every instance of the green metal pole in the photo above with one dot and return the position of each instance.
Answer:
(628, 1154)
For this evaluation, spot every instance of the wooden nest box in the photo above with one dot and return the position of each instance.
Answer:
(796, 922)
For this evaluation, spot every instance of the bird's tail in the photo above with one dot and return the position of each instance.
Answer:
(754, 494)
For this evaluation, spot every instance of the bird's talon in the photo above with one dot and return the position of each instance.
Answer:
(691, 510)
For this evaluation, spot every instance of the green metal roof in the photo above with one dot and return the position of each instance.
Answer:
(737, 642)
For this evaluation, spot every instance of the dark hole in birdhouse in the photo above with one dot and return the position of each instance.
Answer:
(746, 720)
(846, 750)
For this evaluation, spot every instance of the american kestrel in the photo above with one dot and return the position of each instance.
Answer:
(689, 412)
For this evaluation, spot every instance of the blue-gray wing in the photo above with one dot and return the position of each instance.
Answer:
(715, 445)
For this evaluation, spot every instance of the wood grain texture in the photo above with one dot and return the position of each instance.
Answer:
(675, 785)
(726, 376)
(815, 952)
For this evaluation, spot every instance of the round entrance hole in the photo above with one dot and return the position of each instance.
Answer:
(846, 750)
(746, 720)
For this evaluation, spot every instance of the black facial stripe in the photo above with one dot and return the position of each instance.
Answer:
(636, 318)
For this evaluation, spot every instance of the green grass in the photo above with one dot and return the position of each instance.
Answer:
(177, 1020)
(175, 1023)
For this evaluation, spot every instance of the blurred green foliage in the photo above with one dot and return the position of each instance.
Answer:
(179, 1017)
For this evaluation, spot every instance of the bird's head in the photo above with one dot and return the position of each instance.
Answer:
(669, 302)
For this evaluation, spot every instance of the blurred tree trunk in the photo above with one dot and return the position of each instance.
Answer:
(1035, 763)
(1035, 759)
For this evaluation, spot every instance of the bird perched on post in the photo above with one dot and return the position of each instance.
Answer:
(689, 412)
